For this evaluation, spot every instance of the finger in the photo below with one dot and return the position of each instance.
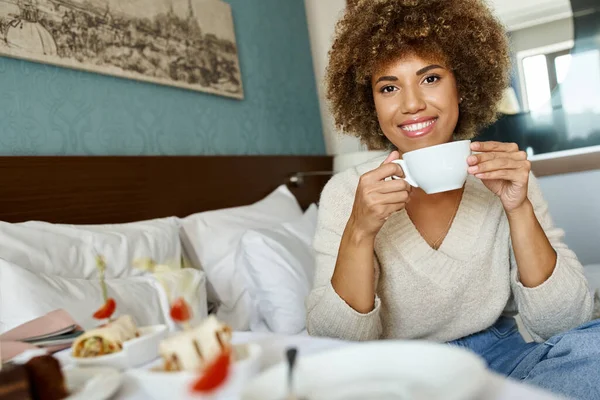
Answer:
(394, 155)
(483, 157)
(393, 198)
(384, 211)
(392, 209)
(496, 164)
(512, 175)
(395, 185)
(398, 206)
(382, 172)
(495, 146)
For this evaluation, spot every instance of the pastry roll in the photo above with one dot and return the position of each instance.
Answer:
(105, 340)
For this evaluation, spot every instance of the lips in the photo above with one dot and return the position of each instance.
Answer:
(418, 127)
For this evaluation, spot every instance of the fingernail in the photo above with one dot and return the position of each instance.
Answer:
(473, 169)
(475, 145)
(472, 159)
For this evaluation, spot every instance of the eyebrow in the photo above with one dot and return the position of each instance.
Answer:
(387, 78)
(428, 68)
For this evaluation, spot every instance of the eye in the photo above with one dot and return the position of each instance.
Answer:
(431, 79)
(388, 89)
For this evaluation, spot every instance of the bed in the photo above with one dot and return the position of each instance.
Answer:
(203, 214)
(227, 219)
(157, 206)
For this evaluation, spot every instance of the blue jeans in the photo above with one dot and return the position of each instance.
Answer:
(567, 364)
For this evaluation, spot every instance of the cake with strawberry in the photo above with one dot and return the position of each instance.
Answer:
(194, 348)
(205, 348)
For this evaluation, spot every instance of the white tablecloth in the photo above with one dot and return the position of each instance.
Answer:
(273, 352)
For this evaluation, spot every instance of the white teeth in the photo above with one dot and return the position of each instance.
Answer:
(418, 126)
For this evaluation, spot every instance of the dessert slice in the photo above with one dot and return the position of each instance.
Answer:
(39, 379)
(14, 384)
(193, 349)
(107, 339)
(46, 379)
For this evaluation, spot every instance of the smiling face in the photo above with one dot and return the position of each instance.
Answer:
(416, 102)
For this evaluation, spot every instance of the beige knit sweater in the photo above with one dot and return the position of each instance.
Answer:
(449, 293)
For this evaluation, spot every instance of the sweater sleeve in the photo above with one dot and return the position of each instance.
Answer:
(564, 300)
(327, 313)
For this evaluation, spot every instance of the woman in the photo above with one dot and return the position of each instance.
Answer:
(393, 262)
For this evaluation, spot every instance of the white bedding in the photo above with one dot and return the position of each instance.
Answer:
(278, 267)
(45, 266)
(210, 240)
(55, 266)
(70, 251)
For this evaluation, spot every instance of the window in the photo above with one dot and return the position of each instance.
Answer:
(541, 73)
(540, 70)
(580, 93)
(560, 93)
(537, 81)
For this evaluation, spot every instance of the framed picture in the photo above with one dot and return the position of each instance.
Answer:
(184, 43)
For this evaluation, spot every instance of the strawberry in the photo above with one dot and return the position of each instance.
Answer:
(180, 312)
(214, 375)
(110, 305)
(107, 310)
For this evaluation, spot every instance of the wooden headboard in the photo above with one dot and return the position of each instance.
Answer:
(93, 190)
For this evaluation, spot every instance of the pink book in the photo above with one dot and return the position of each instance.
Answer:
(54, 331)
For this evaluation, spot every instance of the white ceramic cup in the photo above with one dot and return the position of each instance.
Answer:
(437, 168)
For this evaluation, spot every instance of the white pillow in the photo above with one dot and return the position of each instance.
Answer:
(70, 250)
(210, 239)
(47, 257)
(278, 264)
(26, 295)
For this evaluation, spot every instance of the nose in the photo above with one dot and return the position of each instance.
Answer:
(412, 101)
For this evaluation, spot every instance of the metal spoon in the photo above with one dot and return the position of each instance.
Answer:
(290, 355)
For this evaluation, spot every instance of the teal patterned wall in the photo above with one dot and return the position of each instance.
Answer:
(46, 110)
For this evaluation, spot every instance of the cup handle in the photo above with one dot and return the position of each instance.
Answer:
(407, 176)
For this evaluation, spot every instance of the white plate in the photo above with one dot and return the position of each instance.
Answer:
(162, 385)
(135, 352)
(378, 370)
(91, 383)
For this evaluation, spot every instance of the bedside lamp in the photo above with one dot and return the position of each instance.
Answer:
(341, 162)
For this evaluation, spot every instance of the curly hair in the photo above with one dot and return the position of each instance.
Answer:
(462, 33)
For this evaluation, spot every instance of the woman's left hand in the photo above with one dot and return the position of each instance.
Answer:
(503, 169)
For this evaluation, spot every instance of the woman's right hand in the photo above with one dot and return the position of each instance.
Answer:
(377, 198)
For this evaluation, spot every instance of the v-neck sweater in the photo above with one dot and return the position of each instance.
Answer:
(459, 289)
